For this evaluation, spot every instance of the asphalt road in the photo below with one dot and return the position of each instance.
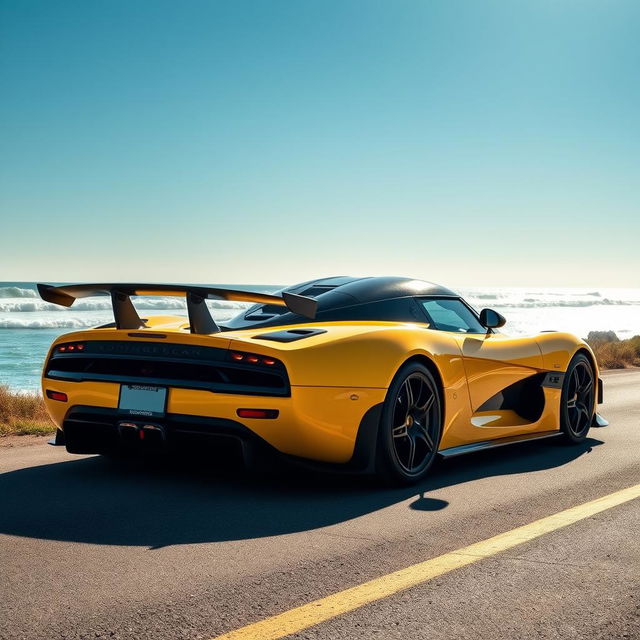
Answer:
(90, 548)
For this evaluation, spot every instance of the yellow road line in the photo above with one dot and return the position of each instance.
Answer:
(313, 613)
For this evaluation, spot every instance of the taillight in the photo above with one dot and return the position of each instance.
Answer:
(57, 395)
(254, 358)
(258, 413)
(68, 348)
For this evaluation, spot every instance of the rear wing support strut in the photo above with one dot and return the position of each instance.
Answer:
(126, 316)
(200, 320)
(124, 313)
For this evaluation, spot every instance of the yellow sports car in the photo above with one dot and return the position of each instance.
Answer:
(369, 374)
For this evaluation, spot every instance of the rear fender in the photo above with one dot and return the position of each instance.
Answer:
(371, 359)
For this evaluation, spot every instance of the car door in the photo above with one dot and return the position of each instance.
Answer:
(493, 363)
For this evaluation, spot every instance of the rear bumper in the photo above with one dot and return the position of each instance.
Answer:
(102, 430)
(315, 423)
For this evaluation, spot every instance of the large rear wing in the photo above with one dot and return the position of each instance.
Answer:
(200, 320)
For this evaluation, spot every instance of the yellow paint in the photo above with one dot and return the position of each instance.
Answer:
(320, 421)
(318, 611)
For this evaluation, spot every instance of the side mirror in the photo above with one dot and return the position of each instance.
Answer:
(491, 319)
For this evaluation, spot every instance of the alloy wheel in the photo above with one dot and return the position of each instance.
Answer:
(580, 396)
(415, 423)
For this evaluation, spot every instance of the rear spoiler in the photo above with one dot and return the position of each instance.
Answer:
(200, 320)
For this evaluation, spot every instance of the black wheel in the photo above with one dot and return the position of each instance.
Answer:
(577, 402)
(410, 427)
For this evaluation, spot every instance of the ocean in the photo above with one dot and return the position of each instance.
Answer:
(28, 324)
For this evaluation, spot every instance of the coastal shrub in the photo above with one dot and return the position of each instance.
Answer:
(614, 353)
(23, 413)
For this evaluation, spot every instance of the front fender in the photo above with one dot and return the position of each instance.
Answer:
(558, 348)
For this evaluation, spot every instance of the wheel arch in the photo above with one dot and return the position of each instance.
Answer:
(365, 448)
(566, 426)
(431, 366)
(596, 374)
(590, 357)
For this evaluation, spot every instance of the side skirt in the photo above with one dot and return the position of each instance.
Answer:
(494, 444)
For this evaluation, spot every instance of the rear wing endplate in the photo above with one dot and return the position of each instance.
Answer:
(200, 320)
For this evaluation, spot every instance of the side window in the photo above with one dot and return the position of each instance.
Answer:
(450, 314)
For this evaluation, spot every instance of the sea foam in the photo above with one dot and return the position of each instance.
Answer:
(17, 292)
(104, 304)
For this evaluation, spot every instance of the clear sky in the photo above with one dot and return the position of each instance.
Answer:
(462, 142)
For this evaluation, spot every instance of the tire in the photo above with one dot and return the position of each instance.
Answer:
(410, 426)
(577, 401)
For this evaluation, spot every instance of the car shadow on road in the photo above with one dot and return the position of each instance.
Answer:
(94, 500)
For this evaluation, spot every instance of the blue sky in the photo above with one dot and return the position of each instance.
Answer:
(468, 143)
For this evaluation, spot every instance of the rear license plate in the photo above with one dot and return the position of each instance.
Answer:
(142, 400)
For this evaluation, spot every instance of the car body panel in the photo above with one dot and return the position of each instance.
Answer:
(493, 361)
(339, 376)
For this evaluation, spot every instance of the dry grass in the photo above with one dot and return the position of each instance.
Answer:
(614, 353)
(23, 414)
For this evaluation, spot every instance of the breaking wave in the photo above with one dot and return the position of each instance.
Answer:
(75, 322)
(49, 323)
(530, 303)
(17, 292)
(104, 304)
(22, 308)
